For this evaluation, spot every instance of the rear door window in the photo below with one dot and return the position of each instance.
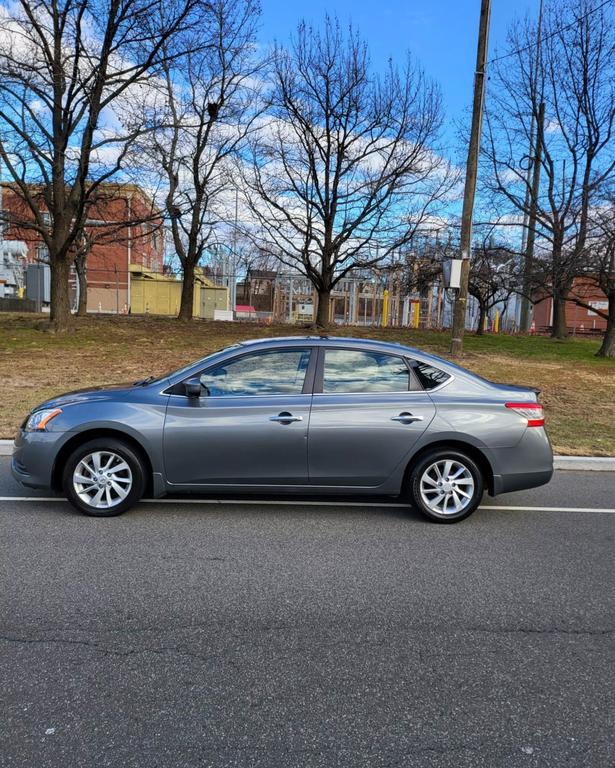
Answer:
(353, 371)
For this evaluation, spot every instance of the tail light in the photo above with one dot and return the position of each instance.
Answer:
(533, 412)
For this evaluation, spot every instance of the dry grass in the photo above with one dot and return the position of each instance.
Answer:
(578, 389)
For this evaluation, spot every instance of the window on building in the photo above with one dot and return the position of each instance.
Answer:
(42, 253)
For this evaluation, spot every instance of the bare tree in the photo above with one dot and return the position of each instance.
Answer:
(250, 258)
(423, 258)
(600, 272)
(205, 106)
(65, 67)
(493, 278)
(566, 89)
(604, 269)
(345, 169)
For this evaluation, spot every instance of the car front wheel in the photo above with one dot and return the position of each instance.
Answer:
(446, 486)
(103, 477)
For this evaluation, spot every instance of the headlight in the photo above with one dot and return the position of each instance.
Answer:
(39, 419)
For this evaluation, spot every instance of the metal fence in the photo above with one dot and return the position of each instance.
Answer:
(17, 305)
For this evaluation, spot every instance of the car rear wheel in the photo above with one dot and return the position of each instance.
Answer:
(446, 486)
(103, 477)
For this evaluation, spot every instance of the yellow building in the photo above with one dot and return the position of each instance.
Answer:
(155, 294)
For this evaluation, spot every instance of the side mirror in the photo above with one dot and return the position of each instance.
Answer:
(193, 387)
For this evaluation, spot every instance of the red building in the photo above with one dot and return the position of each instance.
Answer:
(123, 228)
(578, 319)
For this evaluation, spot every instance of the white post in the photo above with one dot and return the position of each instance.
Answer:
(406, 311)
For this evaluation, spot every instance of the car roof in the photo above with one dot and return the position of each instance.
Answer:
(326, 341)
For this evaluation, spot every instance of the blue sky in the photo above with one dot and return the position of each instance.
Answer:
(441, 34)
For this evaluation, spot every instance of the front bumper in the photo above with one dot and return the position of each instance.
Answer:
(33, 457)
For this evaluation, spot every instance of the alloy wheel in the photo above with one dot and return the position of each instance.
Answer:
(447, 487)
(102, 479)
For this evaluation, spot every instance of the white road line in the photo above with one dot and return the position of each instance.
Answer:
(554, 509)
(31, 498)
(299, 503)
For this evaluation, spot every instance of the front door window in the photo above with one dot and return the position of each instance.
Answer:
(279, 372)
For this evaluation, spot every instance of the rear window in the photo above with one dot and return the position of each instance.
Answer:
(429, 376)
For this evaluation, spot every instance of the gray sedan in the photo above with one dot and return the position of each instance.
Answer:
(307, 415)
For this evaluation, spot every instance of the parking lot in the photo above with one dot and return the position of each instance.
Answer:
(292, 634)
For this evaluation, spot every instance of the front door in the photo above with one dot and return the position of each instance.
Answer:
(249, 427)
(365, 419)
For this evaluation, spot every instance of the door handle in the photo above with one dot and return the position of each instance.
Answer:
(285, 418)
(406, 418)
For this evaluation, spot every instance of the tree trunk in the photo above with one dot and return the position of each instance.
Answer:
(482, 313)
(559, 330)
(60, 315)
(324, 307)
(82, 277)
(607, 348)
(187, 298)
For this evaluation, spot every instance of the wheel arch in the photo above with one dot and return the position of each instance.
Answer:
(92, 434)
(473, 451)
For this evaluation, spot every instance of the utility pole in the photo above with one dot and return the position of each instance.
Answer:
(459, 313)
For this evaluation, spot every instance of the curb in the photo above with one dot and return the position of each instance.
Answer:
(585, 463)
(578, 463)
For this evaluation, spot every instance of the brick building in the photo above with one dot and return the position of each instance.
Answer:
(124, 229)
(578, 319)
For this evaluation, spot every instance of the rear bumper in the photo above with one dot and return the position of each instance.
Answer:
(528, 465)
(521, 481)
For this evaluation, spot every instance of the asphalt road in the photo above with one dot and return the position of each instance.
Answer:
(298, 636)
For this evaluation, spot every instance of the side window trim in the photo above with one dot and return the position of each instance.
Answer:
(319, 373)
(308, 383)
(414, 384)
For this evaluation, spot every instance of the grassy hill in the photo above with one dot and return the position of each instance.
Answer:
(578, 389)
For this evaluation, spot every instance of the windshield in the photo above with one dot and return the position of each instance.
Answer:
(180, 371)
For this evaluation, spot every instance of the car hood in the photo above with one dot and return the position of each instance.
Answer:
(88, 394)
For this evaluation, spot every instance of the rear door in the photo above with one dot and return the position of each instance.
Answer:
(249, 427)
(368, 411)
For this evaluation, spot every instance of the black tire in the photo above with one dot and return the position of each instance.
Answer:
(424, 464)
(120, 449)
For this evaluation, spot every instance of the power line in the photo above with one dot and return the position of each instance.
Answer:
(552, 34)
